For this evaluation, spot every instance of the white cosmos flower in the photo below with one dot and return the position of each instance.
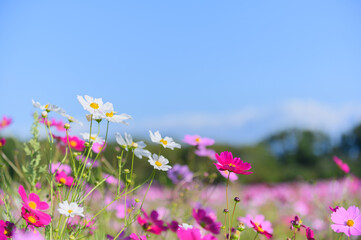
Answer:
(94, 138)
(159, 163)
(92, 105)
(166, 142)
(48, 107)
(70, 210)
(127, 143)
(111, 116)
(185, 226)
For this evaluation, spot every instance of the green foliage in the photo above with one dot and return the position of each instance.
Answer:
(33, 168)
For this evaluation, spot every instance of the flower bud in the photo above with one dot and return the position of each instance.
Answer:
(66, 125)
(126, 171)
(88, 117)
(237, 199)
(225, 210)
(241, 226)
(137, 200)
(44, 114)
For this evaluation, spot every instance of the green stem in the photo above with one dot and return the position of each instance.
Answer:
(256, 236)
(229, 221)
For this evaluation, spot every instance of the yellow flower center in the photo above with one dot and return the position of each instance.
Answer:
(111, 114)
(70, 211)
(1, 144)
(231, 165)
(163, 141)
(62, 180)
(73, 143)
(3, 123)
(46, 106)
(158, 163)
(350, 223)
(92, 138)
(32, 219)
(94, 105)
(32, 205)
(198, 139)
(134, 145)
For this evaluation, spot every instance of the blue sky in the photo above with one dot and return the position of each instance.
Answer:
(232, 70)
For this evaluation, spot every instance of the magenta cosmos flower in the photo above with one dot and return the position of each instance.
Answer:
(134, 236)
(63, 178)
(258, 220)
(207, 220)
(32, 209)
(347, 221)
(6, 121)
(193, 234)
(2, 142)
(75, 143)
(236, 165)
(343, 166)
(32, 203)
(259, 229)
(196, 140)
(152, 223)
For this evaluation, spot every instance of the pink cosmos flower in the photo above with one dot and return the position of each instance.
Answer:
(2, 142)
(75, 143)
(6, 121)
(60, 167)
(259, 220)
(205, 152)
(236, 165)
(259, 229)
(98, 147)
(347, 221)
(21, 235)
(193, 234)
(232, 176)
(32, 203)
(343, 166)
(134, 236)
(63, 178)
(59, 125)
(196, 140)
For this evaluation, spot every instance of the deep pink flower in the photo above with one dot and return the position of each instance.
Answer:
(134, 236)
(236, 165)
(3, 233)
(343, 166)
(152, 223)
(334, 209)
(7, 229)
(75, 143)
(2, 142)
(63, 178)
(59, 125)
(32, 203)
(193, 234)
(207, 220)
(309, 234)
(36, 219)
(259, 229)
(196, 140)
(347, 221)
(5, 121)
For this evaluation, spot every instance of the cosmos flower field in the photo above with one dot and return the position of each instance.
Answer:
(64, 187)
